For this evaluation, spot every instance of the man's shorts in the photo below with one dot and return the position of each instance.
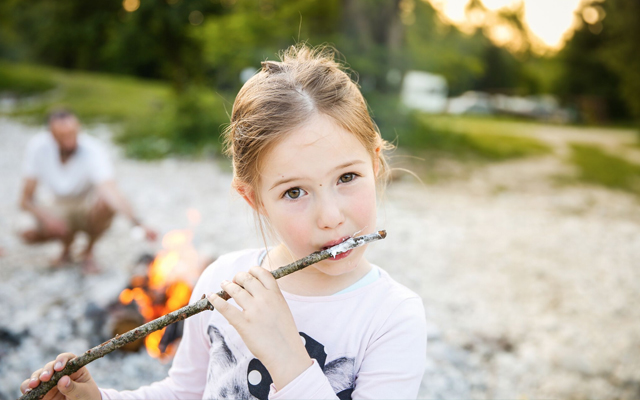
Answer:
(76, 212)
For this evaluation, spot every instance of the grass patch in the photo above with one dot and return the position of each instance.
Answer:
(634, 145)
(92, 96)
(471, 138)
(596, 166)
(24, 80)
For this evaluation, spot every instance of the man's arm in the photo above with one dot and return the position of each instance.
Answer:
(51, 224)
(109, 192)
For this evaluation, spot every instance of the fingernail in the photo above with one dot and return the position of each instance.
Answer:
(45, 373)
(58, 365)
(27, 390)
(68, 383)
(34, 379)
(225, 282)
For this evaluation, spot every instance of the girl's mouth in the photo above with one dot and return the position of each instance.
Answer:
(335, 242)
(340, 256)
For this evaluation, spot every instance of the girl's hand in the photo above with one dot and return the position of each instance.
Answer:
(265, 323)
(78, 386)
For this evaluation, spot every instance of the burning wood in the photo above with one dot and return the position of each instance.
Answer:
(188, 311)
(160, 285)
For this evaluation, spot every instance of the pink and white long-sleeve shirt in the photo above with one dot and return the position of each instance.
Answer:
(367, 343)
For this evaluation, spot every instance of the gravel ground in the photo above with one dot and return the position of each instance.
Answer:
(529, 288)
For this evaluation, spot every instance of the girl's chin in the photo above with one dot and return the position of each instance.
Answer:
(336, 267)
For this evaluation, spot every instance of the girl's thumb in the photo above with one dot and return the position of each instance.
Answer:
(75, 390)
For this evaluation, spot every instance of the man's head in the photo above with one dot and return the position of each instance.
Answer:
(64, 127)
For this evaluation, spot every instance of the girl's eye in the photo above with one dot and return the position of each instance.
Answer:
(347, 177)
(293, 193)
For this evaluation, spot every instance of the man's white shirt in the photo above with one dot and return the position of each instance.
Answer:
(87, 167)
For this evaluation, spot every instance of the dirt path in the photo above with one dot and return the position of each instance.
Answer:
(622, 142)
(530, 289)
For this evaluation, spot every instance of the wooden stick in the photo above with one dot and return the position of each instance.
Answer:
(185, 312)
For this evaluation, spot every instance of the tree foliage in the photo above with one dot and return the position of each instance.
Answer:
(379, 38)
(152, 42)
(600, 63)
(622, 50)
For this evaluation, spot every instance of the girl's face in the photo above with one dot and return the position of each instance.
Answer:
(317, 188)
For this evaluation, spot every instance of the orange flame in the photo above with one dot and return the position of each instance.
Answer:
(165, 283)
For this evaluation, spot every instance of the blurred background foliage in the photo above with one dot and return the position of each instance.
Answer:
(167, 70)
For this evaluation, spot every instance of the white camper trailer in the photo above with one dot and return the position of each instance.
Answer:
(424, 91)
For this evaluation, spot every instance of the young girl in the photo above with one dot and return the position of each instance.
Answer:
(307, 158)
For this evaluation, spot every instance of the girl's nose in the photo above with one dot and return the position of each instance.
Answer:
(330, 214)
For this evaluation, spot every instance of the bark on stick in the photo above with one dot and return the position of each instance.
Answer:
(185, 312)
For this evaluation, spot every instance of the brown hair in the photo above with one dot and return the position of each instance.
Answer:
(283, 96)
(60, 113)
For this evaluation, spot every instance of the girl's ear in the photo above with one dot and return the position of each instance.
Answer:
(246, 192)
(376, 162)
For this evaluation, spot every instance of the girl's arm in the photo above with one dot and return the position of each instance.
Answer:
(187, 376)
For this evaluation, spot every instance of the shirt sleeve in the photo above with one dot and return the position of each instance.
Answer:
(395, 361)
(311, 384)
(30, 162)
(101, 167)
(187, 376)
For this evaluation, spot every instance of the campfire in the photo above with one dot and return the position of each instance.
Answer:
(160, 284)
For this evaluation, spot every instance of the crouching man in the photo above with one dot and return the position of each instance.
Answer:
(77, 170)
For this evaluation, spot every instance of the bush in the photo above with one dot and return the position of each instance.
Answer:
(189, 124)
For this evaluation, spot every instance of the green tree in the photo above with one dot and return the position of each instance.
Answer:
(621, 53)
(588, 78)
(437, 47)
(64, 33)
(155, 40)
(254, 30)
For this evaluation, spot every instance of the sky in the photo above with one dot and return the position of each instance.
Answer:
(549, 20)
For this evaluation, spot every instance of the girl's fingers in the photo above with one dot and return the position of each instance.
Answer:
(241, 296)
(265, 277)
(230, 312)
(61, 361)
(47, 372)
(250, 283)
(35, 378)
(25, 385)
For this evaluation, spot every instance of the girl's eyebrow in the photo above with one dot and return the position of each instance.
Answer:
(345, 165)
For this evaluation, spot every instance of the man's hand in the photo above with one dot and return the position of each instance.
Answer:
(140, 232)
(150, 234)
